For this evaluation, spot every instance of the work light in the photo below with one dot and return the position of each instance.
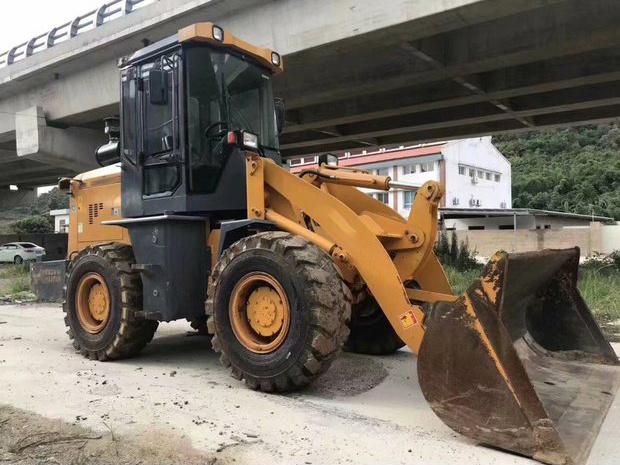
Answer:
(250, 140)
(218, 33)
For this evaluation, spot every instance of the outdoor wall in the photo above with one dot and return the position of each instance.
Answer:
(523, 222)
(594, 239)
(492, 223)
(476, 152)
(610, 238)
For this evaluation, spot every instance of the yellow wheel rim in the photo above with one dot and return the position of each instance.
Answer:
(93, 303)
(259, 313)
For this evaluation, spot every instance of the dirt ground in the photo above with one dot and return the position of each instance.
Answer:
(175, 404)
(30, 439)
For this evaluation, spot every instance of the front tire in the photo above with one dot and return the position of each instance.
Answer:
(371, 331)
(280, 311)
(18, 260)
(102, 296)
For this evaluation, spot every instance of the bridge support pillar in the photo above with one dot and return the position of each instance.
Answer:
(71, 148)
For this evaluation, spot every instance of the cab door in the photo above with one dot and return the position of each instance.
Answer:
(160, 138)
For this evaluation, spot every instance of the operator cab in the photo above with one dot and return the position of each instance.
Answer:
(190, 107)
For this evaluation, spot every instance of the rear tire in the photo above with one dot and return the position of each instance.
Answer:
(309, 288)
(111, 334)
(371, 331)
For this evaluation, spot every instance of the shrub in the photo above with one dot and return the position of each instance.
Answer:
(609, 262)
(34, 224)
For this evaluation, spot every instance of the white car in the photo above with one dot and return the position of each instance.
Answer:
(20, 252)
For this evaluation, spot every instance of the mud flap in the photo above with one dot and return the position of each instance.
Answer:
(518, 361)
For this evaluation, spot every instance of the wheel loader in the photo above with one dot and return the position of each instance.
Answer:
(194, 216)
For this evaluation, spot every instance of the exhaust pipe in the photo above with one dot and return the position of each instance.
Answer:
(110, 153)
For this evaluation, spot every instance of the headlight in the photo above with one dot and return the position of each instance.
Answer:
(218, 33)
(275, 58)
(250, 140)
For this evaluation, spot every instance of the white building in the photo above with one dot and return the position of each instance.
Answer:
(473, 173)
(61, 220)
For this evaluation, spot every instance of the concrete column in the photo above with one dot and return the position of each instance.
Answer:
(71, 148)
(596, 238)
(19, 198)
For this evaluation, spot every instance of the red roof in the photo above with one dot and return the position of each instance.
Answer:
(377, 157)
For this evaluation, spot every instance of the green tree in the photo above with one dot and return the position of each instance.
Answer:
(52, 200)
(33, 224)
(575, 170)
(454, 249)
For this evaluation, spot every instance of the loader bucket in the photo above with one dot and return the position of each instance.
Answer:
(518, 361)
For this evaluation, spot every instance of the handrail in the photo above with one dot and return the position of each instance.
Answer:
(110, 10)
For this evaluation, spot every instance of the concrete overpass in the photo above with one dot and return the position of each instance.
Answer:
(359, 73)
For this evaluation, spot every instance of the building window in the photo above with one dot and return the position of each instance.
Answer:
(480, 174)
(475, 228)
(296, 161)
(426, 167)
(383, 172)
(497, 177)
(408, 197)
(382, 197)
(461, 170)
(547, 226)
(62, 226)
(487, 176)
(472, 173)
(409, 169)
(506, 226)
(455, 201)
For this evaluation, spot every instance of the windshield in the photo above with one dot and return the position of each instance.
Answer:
(224, 93)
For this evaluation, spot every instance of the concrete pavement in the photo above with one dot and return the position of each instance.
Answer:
(365, 410)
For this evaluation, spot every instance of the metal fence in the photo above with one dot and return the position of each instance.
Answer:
(90, 20)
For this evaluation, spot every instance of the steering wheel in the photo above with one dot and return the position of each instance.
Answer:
(223, 125)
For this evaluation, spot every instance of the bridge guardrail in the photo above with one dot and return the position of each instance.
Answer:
(90, 20)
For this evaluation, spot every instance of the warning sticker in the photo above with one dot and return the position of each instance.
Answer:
(408, 319)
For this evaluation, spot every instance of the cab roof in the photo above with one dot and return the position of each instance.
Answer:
(206, 33)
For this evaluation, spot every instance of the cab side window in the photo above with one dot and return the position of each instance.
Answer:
(160, 122)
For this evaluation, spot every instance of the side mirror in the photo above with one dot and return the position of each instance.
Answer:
(280, 114)
(158, 87)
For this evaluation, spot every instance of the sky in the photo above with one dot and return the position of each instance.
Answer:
(23, 19)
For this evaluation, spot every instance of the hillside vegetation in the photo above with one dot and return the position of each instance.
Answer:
(34, 218)
(572, 169)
